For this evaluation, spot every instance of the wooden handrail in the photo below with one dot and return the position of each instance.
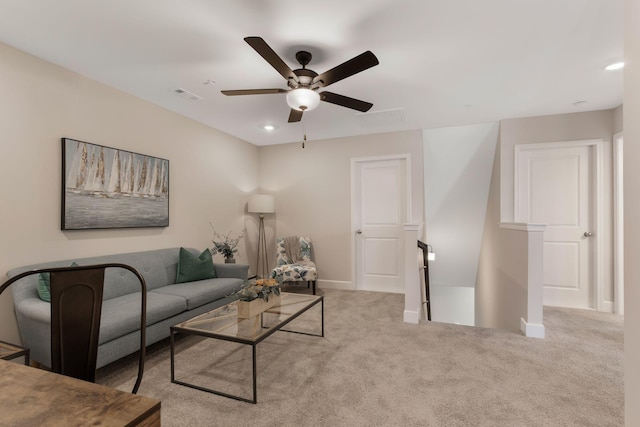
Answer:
(425, 254)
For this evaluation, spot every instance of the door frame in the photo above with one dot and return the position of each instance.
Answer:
(355, 162)
(618, 223)
(597, 208)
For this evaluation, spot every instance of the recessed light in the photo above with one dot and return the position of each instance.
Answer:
(615, 66)
(269, 127)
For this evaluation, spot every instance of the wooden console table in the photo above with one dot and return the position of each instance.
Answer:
(34, 397)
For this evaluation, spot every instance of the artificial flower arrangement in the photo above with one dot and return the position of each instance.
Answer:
(261, 288)
(225, 244)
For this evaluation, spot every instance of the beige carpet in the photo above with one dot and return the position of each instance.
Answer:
(371, 369)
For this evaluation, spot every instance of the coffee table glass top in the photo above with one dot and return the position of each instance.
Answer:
(224, 322)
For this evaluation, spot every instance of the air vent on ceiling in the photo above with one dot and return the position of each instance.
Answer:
(186, 94)
(382, 118)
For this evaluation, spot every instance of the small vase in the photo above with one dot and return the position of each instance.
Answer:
(230, 260)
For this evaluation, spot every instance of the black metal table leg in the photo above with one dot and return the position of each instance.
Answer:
(172, 355)
(255, 382)
(322, 308)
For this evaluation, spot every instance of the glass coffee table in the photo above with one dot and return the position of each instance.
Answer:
(224, 324)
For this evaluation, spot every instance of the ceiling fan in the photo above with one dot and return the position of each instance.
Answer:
(304, 83)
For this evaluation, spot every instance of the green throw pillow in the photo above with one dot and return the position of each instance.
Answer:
(194, 267)
(44, 285)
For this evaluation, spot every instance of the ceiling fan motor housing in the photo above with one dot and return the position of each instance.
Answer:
(305, 78)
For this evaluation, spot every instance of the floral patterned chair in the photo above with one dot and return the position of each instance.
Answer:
(298, 267)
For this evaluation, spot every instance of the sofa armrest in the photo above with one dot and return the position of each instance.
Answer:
(238, 271)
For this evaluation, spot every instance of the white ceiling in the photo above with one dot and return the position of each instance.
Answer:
(444, 62)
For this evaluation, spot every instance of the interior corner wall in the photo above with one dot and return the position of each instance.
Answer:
(312, 189)
(631, 212)
(457, 174)
(211, 173)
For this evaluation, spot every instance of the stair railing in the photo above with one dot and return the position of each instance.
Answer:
(425, 255)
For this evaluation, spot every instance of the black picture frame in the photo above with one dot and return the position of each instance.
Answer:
(105, 188)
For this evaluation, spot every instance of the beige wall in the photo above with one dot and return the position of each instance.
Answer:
(501, 290)
(487, 290)
(632, 211)
(563, 127)
(210, 172)
(312, 188)
(618, 114)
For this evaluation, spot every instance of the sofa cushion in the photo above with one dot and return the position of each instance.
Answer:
(121, 315)
(202, 291)
(194, 267)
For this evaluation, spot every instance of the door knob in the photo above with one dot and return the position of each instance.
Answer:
(588, 234)
(359, 232)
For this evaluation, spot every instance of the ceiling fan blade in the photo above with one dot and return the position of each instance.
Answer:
(260, 46)
(253, 91)
(295, 116)
(353, 66)
(345, 101)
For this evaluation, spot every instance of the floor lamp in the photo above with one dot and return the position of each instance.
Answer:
(261, 204)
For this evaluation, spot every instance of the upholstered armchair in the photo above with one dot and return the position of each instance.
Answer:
(293, 262)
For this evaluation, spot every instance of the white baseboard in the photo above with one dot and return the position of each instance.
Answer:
(336, 284)
(532, 330)
(607, 306)
(411, 316)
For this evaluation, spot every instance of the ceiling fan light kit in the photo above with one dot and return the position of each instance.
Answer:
(303, 99)
(303, 83)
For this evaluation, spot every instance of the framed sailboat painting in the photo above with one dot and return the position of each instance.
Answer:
(105, 187)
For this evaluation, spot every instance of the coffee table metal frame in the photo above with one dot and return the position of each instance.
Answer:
(315, 300)
(10, 351)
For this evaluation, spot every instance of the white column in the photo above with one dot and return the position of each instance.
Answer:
(531, 322)
(412, 290)
(533, 326)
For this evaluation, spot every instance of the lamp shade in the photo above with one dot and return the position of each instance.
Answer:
(303, 99)
(261, 203)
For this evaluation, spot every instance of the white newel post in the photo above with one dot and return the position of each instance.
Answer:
(412, 290)
(533, 325)
(531, 321)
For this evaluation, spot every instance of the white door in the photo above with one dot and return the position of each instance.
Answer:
(555, 187)
(379, 212)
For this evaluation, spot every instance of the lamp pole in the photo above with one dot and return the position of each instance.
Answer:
(262, 250)
(261, 204)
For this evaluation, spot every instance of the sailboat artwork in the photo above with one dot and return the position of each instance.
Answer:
(105, 187)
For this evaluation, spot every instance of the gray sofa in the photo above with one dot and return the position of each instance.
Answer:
(167, 303)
